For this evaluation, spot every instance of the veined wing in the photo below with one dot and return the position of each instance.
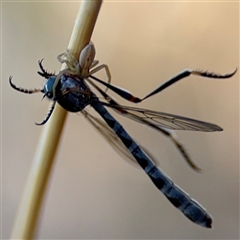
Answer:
(149, 123)
(110, 136)
(165, 120)
(164, 131)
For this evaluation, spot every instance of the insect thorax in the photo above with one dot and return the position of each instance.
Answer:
(72, 93)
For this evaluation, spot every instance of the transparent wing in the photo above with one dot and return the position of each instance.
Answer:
(149, 123)
(111, 137)
(165, 120)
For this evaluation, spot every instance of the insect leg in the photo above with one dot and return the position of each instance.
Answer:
(136, 118)
(181, 149)
(29, 91)
(187, 73)
(100, 67)
(48, 115)
(128, 96)
(94, 64)
(71, 62)
(44, 73)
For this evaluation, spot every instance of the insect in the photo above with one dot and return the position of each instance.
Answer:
(71, 89)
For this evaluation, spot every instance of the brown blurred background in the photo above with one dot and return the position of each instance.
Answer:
(93, 193)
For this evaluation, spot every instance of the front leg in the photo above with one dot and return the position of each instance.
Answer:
(71, 61)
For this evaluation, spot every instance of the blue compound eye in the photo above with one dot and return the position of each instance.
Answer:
(48, 87)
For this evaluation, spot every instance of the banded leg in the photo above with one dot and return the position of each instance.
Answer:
(145, 121)
(23, 90)
(44, 73)
(189, 207)
(128, 96)
(48, 114)
(30, 91)
(47, 75)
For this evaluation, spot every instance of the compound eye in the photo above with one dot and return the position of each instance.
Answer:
(48, 87)
(49, 95)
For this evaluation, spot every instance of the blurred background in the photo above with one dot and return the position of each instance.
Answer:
(93, 193)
